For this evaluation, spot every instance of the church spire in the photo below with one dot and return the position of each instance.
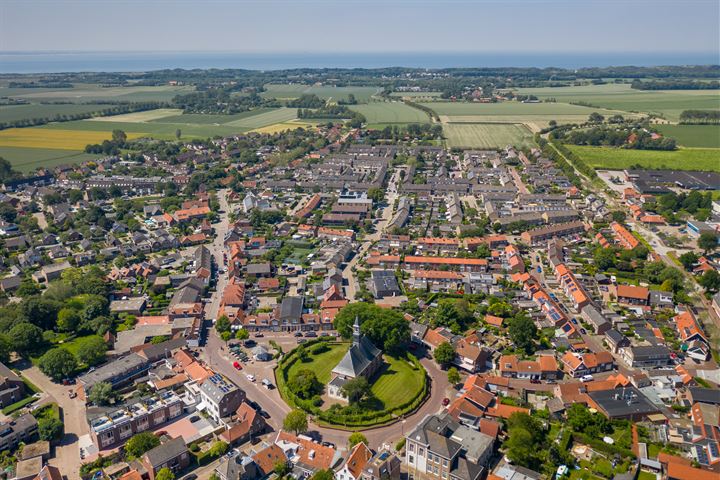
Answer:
(356, 331)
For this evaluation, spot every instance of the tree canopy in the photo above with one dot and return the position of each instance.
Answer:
(387, 328)
(296, 421)
(141, 443)
(58, 363)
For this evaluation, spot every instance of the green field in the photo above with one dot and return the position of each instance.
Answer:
(284, 91)
(83, 93)
(156, 130)
(208, 119)
(28, 159)
(391, 113)
(707, 136)
(397, 383)
(10, 113)
(278, 115)
(667, 103)
(486, 135)
(619, 159)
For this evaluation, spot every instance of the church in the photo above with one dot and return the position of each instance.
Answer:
(363, 359)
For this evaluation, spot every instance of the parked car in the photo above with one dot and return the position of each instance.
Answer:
(311, 334)
(237, 365)
(445, 402)
(298, 334)
(583, 331)
(267, 384)
(258, 335)
(250, 377)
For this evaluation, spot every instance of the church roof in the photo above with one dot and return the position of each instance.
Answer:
(358, 357)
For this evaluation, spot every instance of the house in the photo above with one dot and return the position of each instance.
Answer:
(10, 284)
(616, 340)
(17, 430)
(117, 373)
(646, 356)
(382, 466)
(51, 272)
(220, 397)
(622, 403)
(249, 423)
(353, 467)
(545, 367)
(439, 447)
(596, 319)
(695, 343)
(362, 359)
(384, 284)
(172, 454)
(306, 455)
(632, 295)
(12, 388)
(238, 467)
(48, 472)
(267, 458)
(577, 365)
(470, 356)
(129, 306)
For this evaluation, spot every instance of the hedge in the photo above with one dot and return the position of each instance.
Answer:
(14, 407)
(365, 419)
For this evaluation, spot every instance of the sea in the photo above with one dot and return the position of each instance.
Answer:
(55, 62)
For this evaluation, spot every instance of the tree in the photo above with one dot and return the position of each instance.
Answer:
(91, 350)
(242, 334)
(387, 328)
(595, 118)
(376, 194)
(178, 133)
(101, 394)
(226, 336)
(118, 136)
(520, 448)
(141, 443)
(453, 376)
(323, 475)
(281, 468)
(708, 241)
(165, 474)
(50, 429)
(356, 438)
(304, 384)
(444, 354)
(296, 421)
(57, 364)
(710, 281)
(222, 324)
(688, 259)
(218, 449)
(67, 319)
(356, 390)
(523, 333)
(5, 348)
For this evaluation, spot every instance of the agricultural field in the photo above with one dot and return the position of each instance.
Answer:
(666, 103)
(164, 131)
(417, 96)
(486, 135)
(391, 113)
(609, 158)
(11, 113)
(84, 93)
(535, 115)
(207, 119)
(707, 136)
(53, 138)
(145, 116)
(278, 115)
(28, 159)
(286, 91)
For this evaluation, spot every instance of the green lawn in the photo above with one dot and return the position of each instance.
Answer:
(618, 159)
(391, 113)
(668, 103)
(9, 113)
(323, 363)
(486, 135)
(707, 136)
(284, 91)
(28, 159)
(643, 475)
(399, 382)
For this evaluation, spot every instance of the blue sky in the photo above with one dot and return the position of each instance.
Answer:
(285, 26)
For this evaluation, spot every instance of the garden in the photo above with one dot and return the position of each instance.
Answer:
(397, 390)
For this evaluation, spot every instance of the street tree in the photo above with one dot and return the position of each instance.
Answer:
(165, 474)
(296, 421)
(453, 376)
(101, 394)
(444, 354)
(58, 363)
(356, 438)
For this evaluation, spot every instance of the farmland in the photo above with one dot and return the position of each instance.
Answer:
(707, 136)
(144, 116)
(486, 135)
(535, 115)
(11, 113)
(619, 159)
(390, 113)
(285, 91)
(53, 138)
(666, 103)
(28, 159)
(151, 129)
(84, 93)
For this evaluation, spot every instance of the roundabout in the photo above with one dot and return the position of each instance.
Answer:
(398, 386)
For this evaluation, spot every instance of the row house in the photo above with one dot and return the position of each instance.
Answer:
(572, 288)
(543, 368)
(576, 365)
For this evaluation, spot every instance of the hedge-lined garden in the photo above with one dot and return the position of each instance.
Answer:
(354, 416)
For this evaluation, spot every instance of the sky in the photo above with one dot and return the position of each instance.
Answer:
(325, 26)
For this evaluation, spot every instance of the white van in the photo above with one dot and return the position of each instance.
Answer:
(587, 378)
(267, 384)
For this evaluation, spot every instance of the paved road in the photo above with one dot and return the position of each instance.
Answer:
(217, 249)
(67, 453)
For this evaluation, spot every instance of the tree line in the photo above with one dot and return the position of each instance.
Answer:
(700, 117)
(674, 85)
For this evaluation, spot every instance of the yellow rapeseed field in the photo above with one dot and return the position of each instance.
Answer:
(54, 139)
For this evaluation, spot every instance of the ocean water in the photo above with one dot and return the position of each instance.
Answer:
(53, 62)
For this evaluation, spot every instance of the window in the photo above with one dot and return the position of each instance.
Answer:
(411, 447)
(421, 452)
(444, 463)
(411, 459)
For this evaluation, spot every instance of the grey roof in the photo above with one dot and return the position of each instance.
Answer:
(113, 369)
(359, 356)
(615, 335)
(594, 316)
(202, 258)
(650, 352)
(6, 373)
(385, 283)
(442, 425)
(474, 443)
(258, 268)
(465, 470)
(291, 308)
(217, 386)
(702, 395)
(163, 349)
(166, 452)
(624, 402)
(238, 467)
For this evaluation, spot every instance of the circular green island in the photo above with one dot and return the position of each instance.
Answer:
(315, 378)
